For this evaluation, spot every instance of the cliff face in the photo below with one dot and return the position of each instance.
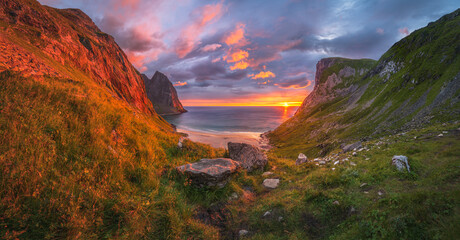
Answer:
(335, 78)
(39, 40)
(416, 82)
(162, 94)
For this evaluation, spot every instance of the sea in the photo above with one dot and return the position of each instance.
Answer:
(218, 125)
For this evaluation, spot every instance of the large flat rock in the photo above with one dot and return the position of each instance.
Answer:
(210, 172)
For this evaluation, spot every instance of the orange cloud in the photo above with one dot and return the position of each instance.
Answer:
(263, 75)
(189, 34)
(237, 56)
(264, 83)
(239, 65)
(179, 84)
(236, 37)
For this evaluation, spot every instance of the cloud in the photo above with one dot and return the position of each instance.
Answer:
(179, 84)
(287, 85)
(380, 30)
(237, 56)
(211, 47)
(237, 36)
(239, 65)
(263, 75)
(133, 38)
(404, 31)
(189, 35)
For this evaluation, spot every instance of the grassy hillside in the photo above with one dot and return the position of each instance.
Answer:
(415, 83)
(374, 200)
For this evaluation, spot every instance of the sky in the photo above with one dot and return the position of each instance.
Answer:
(252, 52)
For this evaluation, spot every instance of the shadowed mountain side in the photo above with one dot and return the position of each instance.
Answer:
(162, 94)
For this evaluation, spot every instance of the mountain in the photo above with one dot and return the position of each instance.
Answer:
(65, 43)
(415, 83)
(162, 94)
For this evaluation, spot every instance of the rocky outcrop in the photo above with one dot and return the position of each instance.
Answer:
(210, 172)
(250, 157)
(65, 43)
(327, 79)
(353, 146)
(162, 94)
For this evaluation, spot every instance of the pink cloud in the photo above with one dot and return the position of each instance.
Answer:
(190, 33)
(211, 47)
(380, 31)
(404, 31)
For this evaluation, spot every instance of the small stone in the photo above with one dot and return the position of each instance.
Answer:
(266, 174)
(233, 196)
(333, 169)
(322, 162)
(354, 154)
(363, 185)
(366, 192)
(445, 132)
(367, 159)
(380, 193)
(352, 210)
(271, 183)
(336, 162)
(267, 213)
(352, 164)
(243, 232)
(415, 137)
(336, 202)
(440, 135)
(400, 162)
(280, 219)
(301, 159)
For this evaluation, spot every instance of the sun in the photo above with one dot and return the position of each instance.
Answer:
(286, 104)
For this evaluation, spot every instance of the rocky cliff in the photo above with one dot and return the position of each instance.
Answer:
(415, 83)
(162, 94)
(39, 40)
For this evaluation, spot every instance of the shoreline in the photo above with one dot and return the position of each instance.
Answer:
(220, 139)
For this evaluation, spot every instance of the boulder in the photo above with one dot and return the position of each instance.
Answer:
(271, 183)
(210, 172)
(301, 159)
(350, 147)
(400, 162)
(250, 157)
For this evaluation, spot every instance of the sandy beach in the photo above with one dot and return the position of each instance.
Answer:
(220, 140)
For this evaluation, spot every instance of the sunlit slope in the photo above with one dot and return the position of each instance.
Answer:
(415, 83)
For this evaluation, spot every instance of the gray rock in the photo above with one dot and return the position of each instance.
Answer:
(363, 185)
(354, 154)
(271, 183)
(243, 232)
(233, 196)
(350, 147)
(301, 159)
(267, 214)
(210, 172)
(336, 202)
(401, 163)
(250, 157)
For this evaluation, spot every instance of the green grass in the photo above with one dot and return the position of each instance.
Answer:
(423, 204)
